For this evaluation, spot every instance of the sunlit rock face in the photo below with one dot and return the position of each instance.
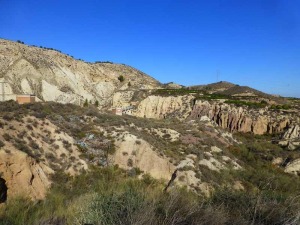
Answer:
(239, 118)
(53, 76)
(227, 116)
(160, 107)
(23, 175)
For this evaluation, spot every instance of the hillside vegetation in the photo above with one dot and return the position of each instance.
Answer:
(109, 196)
(222, 179)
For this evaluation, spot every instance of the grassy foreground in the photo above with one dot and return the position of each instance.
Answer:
(109, 196)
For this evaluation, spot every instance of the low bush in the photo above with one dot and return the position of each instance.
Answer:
(261, 104)
(121, 78)
(7, 137)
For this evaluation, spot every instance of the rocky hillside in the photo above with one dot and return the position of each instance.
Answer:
(230, 89)
(41, 139)
(214, 87)
(62, 153)
(57, 77)
(31, 150)
(53, 76)
(213, 154)
(233, 114)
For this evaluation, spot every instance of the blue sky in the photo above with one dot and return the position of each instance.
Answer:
(254, 43)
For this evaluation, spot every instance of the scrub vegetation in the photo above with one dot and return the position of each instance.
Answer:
(108, 195)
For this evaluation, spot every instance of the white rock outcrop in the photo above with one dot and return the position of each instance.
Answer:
(240, 119)
(132, 152)
(53, 76)
(291, 138)
(293, 167)
(159, 107)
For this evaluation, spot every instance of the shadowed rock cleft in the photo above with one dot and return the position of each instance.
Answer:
(3, 190)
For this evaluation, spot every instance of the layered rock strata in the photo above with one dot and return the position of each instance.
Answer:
(241, 119)
(53, 76)
(291, 138)
(163, 107)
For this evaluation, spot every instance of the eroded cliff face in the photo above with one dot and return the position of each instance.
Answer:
(137, 153)
(32, 149)
(293, 133)
(161, 107)
(241, 119)
(23, 175)
(53, 76)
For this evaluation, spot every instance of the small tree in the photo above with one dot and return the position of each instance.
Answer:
(86, 103)
(96, 103)
(121, 78)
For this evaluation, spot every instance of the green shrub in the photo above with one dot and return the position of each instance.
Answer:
(278, 107)
(121, 78)
(86, 103)
(1, 144)
(249, 104)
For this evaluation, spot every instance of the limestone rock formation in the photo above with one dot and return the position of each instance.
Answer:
(160, 107)
(53, 76)
(291, 138)
(23, 175)
(239, 118)
(134, 153)
(122, 98)
(292, 133)
(293, 167)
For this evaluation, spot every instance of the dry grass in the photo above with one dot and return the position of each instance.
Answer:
(109, 197)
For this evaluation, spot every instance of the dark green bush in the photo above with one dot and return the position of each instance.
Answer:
(7, 137)
(121, 78)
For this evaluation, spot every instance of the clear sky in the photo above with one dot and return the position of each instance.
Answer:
(254, 43)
